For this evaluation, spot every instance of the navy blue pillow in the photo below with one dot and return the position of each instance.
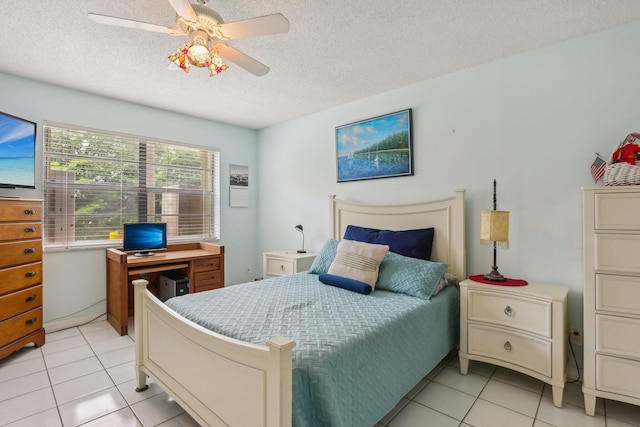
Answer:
(412, 243)
(345, 283)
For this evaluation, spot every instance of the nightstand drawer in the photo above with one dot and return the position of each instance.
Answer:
(618, 336)
(520, 349)
(279, 267)
(526, 314)
(617, 375)
(619, 294)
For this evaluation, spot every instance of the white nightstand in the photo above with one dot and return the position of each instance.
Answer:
(523, 328)
(282, 263)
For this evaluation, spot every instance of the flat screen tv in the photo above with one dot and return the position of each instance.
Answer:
(17, 152)
(144, 238)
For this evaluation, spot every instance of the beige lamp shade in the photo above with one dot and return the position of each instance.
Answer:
(494, 228)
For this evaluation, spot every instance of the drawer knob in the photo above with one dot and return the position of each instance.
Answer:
(508, 311)
(29, 212)
(31, 298)
(30, 250)
(30, 230)
(281, 267)
(507, 346)
(31, 321)
(29, 274)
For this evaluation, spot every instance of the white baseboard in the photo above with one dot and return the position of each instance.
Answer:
(59, 325)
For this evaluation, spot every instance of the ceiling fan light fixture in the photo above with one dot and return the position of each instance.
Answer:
(217, 64)
(180, 58)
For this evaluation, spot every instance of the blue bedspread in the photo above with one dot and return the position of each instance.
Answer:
(356, 355)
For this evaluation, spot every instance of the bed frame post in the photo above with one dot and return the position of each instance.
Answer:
(280, 382)
(140, 287)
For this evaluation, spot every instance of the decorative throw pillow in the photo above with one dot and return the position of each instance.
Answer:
(410, 276)
(412, 243)
(358, 261)
(345, 283)
(447, 280)
(325, 257)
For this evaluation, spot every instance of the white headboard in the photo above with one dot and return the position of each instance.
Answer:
(446, 216)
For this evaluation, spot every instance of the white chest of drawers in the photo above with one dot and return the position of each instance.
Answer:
(611, 295)
(523, 328)
(282, 263)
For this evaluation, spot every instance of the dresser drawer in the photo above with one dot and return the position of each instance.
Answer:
(618, 336)
(14, 278)
(21, 301)
(22, 211)
(618, 253)
(519, 349)
(618, 375)
(207, 264)
(618, 293)
(21, 325)
(279, 267)
(526, 314)
(18, 253)
(205, 281)
(22, 231)
(617, 211)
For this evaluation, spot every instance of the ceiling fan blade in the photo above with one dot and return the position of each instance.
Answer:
(184, 9)
(128, 23)
(260, 26)
(241, 60)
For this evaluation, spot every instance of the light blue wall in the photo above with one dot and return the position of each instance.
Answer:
(532, 121)
(75, 280)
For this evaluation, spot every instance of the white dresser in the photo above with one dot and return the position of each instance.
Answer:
(282, 263)
(523, 328)
(611, 295)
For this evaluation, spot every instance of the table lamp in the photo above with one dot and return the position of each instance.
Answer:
(494, 231)
(301, 229)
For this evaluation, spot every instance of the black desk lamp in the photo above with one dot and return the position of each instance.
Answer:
(301, 229)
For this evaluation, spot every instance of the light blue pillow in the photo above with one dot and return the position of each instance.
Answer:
(410, 276)
(325, 257)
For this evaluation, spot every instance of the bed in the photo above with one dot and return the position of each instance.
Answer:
(224, 370)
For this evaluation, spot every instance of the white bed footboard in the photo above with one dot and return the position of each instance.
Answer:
(216, 379)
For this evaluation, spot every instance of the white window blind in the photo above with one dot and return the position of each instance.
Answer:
(95, 181)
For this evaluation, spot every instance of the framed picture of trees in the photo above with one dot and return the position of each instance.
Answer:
(380, 147)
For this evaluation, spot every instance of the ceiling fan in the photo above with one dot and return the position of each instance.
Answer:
(207, 31)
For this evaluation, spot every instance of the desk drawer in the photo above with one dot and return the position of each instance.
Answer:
(14, 278)
(526, 314)
(207, 264)
(21, 301)
(205, 281)
(18, 253)
(21, 231)
(509, 346)
(21, 325)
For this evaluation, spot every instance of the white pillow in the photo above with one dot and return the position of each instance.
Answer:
(358, 261)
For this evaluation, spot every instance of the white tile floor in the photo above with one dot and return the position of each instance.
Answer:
(85, 376)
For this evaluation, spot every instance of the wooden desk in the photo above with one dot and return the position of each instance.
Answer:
(202, 263)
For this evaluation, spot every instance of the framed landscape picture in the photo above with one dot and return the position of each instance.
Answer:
(380, 147)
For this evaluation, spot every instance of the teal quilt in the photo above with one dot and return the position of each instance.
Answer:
(356, 355)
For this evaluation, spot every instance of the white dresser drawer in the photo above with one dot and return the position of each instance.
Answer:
(617, 211)
(618, 375)
(617, 253)
(520, 349)
(619, 294)
(526, 314)
(279, 267)
(618, 336)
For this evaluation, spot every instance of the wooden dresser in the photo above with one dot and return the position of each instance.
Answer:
(20, 274)
(611, 295)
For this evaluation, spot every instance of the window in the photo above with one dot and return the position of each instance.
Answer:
(96, 181)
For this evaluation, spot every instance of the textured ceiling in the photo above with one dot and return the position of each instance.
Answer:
(336, 51)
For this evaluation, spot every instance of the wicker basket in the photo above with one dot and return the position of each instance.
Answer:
(622, 174)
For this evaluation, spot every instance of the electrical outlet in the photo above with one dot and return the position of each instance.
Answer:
(575, 336)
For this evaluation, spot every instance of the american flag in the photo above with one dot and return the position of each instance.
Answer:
(597, 168)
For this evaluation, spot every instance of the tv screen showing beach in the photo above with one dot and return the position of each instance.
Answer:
(17, 152)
